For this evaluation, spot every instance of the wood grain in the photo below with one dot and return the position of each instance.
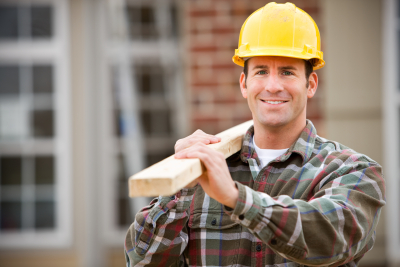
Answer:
(170, 175)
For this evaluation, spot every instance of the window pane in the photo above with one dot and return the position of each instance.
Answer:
(9, 79)
(13, 119)
(11, 193)
(125, 215)
(8, 23)
(42, 79)
(142, 22)
(146, 121)
(118, 123)
(44, 170)
(156, 122)
(10, 215)
(175, 25)
(398, 8)
(41, 22)
(145, 83)
(43, 123)
(134, 22)
(161, 122)
(150, 79)
(44, 215)
(148, 23)
(147, 15)
(11, 170)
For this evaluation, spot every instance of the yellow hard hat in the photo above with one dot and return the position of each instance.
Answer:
(280, 30)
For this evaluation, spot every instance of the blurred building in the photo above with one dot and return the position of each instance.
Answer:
(92, 91)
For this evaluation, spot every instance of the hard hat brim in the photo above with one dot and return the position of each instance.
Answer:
(317, 63)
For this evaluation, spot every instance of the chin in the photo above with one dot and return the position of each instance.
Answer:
(273, 122)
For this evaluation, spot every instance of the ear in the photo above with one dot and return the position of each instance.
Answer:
(312, 85)
(242, 82)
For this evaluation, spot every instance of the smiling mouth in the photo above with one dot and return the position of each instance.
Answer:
(274, 102)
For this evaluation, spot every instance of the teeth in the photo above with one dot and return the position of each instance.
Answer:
(274, 102)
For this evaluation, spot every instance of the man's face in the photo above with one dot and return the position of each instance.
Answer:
(276, 90)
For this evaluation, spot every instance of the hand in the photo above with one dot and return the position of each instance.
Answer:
(217, 181)
(197, 136)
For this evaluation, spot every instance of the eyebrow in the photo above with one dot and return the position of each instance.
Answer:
(280, 68)
(261, 67)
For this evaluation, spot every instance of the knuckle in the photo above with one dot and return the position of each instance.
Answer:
(202, 146)
(199, 143)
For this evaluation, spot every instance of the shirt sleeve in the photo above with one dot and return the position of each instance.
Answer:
(334, 226)
(159, 233)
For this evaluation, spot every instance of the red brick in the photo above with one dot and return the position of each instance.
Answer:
(202, 13)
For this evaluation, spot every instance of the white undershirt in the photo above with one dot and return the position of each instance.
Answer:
(267, 155)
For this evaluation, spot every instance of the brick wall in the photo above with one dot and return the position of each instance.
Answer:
(212, 32)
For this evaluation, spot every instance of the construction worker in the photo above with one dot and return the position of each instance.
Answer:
(289, 197)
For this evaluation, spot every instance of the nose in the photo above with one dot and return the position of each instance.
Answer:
(273, 83)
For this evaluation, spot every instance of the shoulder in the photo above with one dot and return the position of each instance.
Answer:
(339, 154)
(348, 168)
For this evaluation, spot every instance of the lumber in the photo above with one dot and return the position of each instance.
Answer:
(168, 176)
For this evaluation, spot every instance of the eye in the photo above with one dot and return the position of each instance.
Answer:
(262, 72)
(286, 73)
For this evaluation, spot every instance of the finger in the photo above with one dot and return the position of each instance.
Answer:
(209, 157)
(190, 142)
(212, 138)
(185, 152)
(198, 135)
(216, 139)
(196, 154)
(199, 146)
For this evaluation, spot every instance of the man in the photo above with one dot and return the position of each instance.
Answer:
(289, 197)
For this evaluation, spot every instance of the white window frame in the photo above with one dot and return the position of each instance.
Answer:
(391, 118)
(164, 51)
(56, 52)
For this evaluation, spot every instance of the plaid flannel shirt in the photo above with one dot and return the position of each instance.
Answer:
(318, 204)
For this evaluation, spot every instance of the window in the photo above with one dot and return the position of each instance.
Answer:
(34, 187)
(26, 22)
(151, 103)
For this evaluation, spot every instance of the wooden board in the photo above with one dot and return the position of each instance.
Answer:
(170, 175)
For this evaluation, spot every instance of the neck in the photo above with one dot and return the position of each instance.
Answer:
(281, 137)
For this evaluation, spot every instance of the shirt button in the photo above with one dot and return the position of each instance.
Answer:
(172, 197)
(214, 221)
(241, 217)
(274, 242)
(258, 247)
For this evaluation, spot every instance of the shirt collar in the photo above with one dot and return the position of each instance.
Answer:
(304, 145)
